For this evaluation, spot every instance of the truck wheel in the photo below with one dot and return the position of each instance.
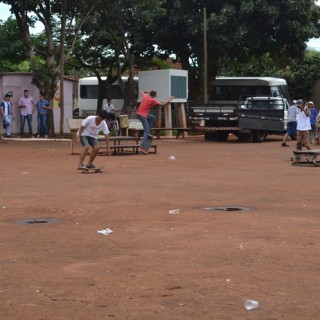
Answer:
(216, 136)
(245, 137)
(222, 136)
(208, 136)
(259, 135)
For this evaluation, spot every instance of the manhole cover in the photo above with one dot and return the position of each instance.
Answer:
(226, 209)
(37, 221)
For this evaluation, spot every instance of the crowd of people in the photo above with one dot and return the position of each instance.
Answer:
(27, 106)
(303, 124)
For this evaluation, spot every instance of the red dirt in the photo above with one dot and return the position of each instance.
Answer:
(197, 264)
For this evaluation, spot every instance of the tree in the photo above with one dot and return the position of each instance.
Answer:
(237, 31)
(12, 53)
(114, 39)
(46, 66)
(303, 74)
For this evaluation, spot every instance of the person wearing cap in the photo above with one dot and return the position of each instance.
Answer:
(87, 135)
(303, 126)
(147, 119)
(6, 113)
(291, 124)
(313, 122)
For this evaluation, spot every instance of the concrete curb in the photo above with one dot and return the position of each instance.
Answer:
(35, 139)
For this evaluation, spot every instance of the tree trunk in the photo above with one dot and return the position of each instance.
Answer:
(61, 64)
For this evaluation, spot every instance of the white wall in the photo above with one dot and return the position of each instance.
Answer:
(160, 80)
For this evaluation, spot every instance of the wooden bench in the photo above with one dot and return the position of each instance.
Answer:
(131, 148)
(306, 158)
(138, 132)
(74, 125)
(180, 131)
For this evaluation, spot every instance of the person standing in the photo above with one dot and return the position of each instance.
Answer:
(27, 106)
(42, 118)
(313, 122)
(6, 113)
(147, 119)
(303, 126)
(112, 120)
(291, 124)
(88, 134)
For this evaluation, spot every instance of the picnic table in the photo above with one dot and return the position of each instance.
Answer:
(118, 144)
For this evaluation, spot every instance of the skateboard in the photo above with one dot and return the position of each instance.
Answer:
(305, 158)
(91, 170)
(148, 143)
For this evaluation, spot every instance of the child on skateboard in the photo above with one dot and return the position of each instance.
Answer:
(147, 119)
(88, 134)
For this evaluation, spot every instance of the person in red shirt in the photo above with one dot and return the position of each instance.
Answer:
(147, 119)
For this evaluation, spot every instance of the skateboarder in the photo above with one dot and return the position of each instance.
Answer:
(147, 119)
(87, 135)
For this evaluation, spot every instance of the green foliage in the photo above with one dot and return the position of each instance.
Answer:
(12, 53)
(303, 75)
(115, 40)
(238, 31)
(249, 37)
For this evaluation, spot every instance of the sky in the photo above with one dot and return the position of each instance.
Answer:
(5, 13)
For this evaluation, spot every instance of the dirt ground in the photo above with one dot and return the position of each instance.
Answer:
(262, 243)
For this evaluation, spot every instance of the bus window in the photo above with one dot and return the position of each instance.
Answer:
(88, 91)
(275, 91)
(238, 92)
(114, 92)
(262, 91)
(285, 92)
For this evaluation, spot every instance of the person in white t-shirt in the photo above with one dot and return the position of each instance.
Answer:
(109, 106)
(291, 131)
(88, 134)
(303, 126)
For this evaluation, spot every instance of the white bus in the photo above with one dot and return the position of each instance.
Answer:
(232, 90)
(88, 95)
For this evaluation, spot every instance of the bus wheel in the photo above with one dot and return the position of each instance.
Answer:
(259, 135)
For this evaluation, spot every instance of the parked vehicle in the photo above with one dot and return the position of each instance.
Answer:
(88, 95)
(260, 116)
(220, 117)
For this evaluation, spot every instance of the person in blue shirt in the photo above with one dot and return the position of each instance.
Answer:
(6, 113)
(313, 122)
(42, 108)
